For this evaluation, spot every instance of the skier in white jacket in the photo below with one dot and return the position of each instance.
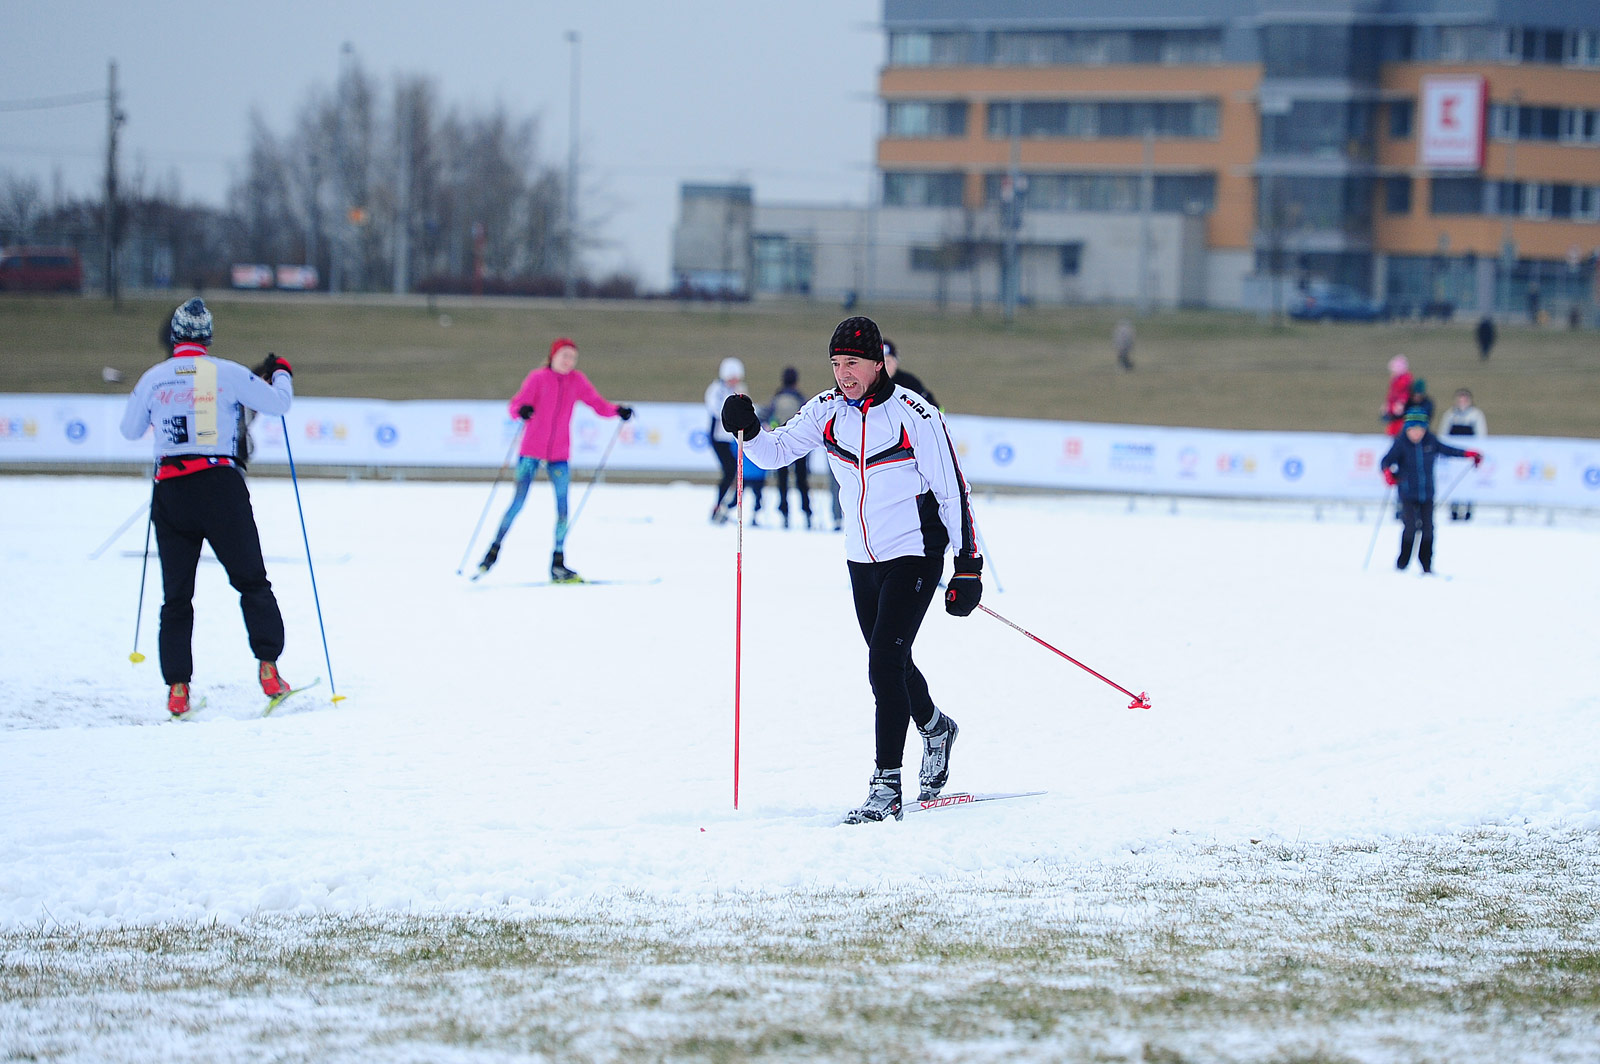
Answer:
(905, 503)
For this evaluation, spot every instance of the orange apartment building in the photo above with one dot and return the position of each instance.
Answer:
(1443, 155)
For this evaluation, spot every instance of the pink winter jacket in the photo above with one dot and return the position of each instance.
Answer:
(553, 395)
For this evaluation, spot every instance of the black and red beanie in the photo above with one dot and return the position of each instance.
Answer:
(858, 337)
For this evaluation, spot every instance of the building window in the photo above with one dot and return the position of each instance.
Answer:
(927, 119)
(1400, 116)
(1583, 48)
(1173, 193)
(1071, 259)
(1332, 204)
(1321, 129)
(1467, 44)
(1397, 195)
(1320, 51)
(1084, 119)
(946, 258)
(1100, 47)
(930, 49)
(917, 189)
(1456, 195)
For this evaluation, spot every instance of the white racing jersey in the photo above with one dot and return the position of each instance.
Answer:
(193, 401)
(900, 485)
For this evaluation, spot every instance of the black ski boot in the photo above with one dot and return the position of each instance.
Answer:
(559, 573)
(489, 558)
(936, 744)
(883, 800)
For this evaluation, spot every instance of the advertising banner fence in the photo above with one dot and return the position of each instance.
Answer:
(670, 438)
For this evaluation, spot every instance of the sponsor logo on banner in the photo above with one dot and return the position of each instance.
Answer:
(18, 428)
(1591, 477)
(1133, 457)
(700, 440)
(327, 431)
(1071, 452)
(1366, 460)
(1236, 465)
(77, 431)
(1529, 470)
(1189, 462)
(386, 435)
(1004, 453)
(1293, 468)
(461, 426)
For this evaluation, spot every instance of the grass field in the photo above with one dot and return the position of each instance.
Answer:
(1200, 368)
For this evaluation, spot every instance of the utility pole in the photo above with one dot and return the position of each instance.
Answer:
(572, 173)
(402, 220)
(1508, 243)
(1147, 195)
(114, 119)
(1011, 207)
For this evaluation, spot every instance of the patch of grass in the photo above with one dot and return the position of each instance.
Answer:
(1464, 949)
(1204, 368)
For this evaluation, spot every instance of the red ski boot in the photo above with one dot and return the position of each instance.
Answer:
(178, 700)
(272, 685)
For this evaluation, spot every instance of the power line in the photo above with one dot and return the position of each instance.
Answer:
(41, 103)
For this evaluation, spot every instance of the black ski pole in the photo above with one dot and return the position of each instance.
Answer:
(504, 465)
(144, 568)
(1383, 508)
(599, 473)
(295, 480)
(101, 549)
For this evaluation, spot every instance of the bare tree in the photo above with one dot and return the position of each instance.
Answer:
(21, 205)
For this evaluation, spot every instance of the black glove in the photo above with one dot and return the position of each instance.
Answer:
(739, 417)
(271, 365)
(524, 411)
(624, 411)
(961, 595)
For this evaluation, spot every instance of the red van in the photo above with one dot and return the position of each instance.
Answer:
(40, 269)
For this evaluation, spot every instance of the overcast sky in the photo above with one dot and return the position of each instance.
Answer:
(779, 95)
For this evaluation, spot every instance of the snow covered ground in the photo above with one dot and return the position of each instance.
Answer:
(506, 750)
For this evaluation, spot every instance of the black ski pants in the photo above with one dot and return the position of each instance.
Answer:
(1416, 521)
(801, 484)
(727, 457)
(891, 599)
(212, 506)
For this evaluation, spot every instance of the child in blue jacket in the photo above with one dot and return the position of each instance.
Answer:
(1408, 465)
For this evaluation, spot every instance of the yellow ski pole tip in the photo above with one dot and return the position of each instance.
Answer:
(136, 657)
(337, 698)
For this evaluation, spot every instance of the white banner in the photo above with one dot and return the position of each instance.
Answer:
(671, 438)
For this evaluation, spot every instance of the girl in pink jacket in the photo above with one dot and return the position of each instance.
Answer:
(545, 402)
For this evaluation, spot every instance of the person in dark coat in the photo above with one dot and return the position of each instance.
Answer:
(1485, 337)
(1408, 467)
(905, 379)
(786, 403)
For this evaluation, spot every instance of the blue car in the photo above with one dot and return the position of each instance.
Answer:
(1337, 302)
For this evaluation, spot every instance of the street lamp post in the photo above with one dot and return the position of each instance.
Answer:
(572, 174)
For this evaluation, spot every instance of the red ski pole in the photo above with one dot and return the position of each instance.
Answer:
(1140, 700)
(738, 610)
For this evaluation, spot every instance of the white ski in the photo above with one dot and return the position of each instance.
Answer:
(946, 801)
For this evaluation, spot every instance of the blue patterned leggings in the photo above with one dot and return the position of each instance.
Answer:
(560, 476)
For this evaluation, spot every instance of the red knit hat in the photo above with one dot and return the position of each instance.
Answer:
(557, 344)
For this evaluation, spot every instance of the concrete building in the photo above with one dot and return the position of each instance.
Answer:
(1433, 153)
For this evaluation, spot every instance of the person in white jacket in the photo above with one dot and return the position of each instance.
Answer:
(1463, 419)
(730, 378)
(906, 503)
(193, 401)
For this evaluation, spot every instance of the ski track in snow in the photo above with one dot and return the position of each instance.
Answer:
(503, 746)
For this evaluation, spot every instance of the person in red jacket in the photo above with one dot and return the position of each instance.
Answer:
(545, 402)
(1394, 404)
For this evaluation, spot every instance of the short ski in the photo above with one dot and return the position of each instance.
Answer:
(195, 706)
(277, 700)
(947, 801)
(586, 582)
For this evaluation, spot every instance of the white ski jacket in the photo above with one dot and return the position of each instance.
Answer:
(899, 482)
(193, 401)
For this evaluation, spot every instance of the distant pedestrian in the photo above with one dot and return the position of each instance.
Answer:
(755, 482)
(1463, 419)
(1408, 466)
(545, 401)
(1486, 336)
(902, 377)
(786, 403)
(1122, 340)
(1394, 403)
(200, 496)
(730, 381)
